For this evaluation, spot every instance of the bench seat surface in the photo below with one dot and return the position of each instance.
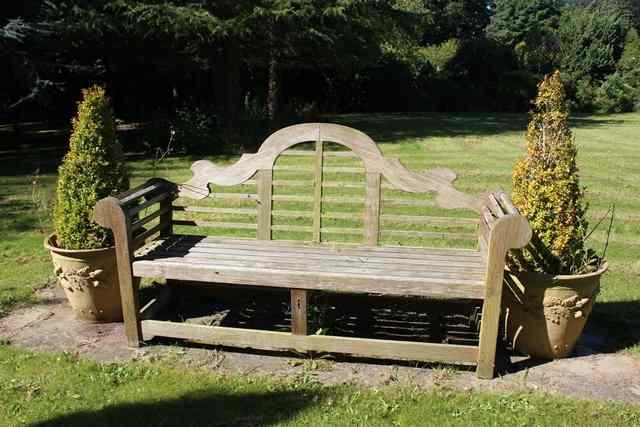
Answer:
(402, 271)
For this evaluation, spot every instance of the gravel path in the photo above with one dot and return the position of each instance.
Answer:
(50, 326)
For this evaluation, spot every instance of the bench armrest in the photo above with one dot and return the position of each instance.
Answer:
(495, 210)
(502, 228)
(121, 213)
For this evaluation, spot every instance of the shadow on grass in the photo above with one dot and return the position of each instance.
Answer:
(27, 165)
(292, 355)
(18, 216)
(613, 326)
(382, 127)
(17, 208)
(199, 408)
(394, 128)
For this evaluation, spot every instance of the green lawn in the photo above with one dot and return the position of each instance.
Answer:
(60, 390)
(481, 148)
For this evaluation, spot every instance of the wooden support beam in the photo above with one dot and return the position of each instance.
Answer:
(509, 232)
(166, 217)
(109, 213)
(279, 341)
(299, 300)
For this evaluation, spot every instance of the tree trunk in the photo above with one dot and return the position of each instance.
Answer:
(273, 90)
(231, 90)
(174, 100)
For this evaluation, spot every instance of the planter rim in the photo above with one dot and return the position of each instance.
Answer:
(50, 245)
(564, 277)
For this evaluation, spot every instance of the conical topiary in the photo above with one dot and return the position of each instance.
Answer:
(546, 188)
(92, 169)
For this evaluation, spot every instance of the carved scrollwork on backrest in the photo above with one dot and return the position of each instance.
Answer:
(438, 180)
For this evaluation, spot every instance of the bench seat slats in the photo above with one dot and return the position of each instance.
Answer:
(342, 248)
(473, 275)
(435, 262)
(332, 282)
(338, 268)
(363, 269)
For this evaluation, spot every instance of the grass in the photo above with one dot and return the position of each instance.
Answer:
(25, 197)
(481, 148)
(62, 390)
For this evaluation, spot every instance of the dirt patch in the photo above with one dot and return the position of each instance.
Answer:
(51, 326)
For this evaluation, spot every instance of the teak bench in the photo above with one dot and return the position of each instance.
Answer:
(146, 250)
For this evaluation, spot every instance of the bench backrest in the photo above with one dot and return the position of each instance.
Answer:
(261, 192)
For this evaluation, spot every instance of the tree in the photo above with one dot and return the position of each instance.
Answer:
(514, 21)
(620, 91)
(457, 19)
(630, 8)
(630, 59)
(335, 34)
(591, 41)
(546, 187)
(11, 35)
(169, 41)
(92, 169)
(222, 36)
(529, 29)
(19, 79)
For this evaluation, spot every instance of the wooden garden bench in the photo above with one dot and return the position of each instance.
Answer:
(147, 250)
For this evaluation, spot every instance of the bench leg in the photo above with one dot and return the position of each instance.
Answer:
(488, 337)
(299, 299)
(131, 310)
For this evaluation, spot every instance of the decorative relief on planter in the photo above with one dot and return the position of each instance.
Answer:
(556, 309)
(78, 280)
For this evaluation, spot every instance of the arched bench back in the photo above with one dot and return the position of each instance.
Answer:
(258, 169)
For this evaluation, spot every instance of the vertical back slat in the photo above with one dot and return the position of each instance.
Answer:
(166, 218)
(372, 209)
(264, 184)
(317, 192)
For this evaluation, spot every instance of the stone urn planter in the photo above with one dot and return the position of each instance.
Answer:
(546, 314)
(89, 278)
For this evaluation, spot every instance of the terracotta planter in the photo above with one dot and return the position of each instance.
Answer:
(90, 281)
(546, 314)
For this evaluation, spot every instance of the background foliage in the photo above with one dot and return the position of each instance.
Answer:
(287, 58)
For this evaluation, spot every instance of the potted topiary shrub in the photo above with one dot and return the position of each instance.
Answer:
(82, 251)
(552, 284)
